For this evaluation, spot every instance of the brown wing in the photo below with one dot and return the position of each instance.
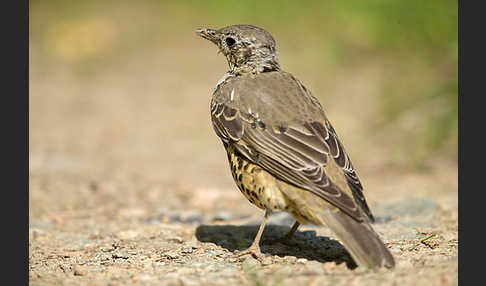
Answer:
(296, 149)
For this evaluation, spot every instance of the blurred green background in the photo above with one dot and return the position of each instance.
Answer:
(385, 72)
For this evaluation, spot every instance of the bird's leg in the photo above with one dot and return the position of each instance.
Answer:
(290, 234)
(254, 249)
(287, 239)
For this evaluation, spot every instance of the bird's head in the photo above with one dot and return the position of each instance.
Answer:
(247, 48)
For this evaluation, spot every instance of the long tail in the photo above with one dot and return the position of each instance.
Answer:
(359, 239)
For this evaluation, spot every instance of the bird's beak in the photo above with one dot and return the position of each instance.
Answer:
(208, 34)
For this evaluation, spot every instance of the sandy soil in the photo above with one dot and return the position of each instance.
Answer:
(129, 186)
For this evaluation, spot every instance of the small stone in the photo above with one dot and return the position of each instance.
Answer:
(80, 270)
(103, 257)
(171, 255)
(301, 260)
(187, 249)
(267, 261)
(120, 254)
(290, 259)
(250, 263)
(64, 268)
(107, 248)
(64, 254)
(175, 239)
(214, 252)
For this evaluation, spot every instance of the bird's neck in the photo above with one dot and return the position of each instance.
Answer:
(254, 64)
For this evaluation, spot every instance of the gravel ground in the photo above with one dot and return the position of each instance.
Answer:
(131, 247)
(128, 187)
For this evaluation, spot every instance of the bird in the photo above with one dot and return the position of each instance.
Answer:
(282, 150)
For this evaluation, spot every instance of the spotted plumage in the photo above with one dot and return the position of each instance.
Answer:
(283, 152)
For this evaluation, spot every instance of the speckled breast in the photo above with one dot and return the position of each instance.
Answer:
(255, 184)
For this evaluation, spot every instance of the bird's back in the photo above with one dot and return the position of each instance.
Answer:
(277, 100)
(276, 96)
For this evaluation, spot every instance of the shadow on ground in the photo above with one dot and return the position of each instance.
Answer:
(304, 245)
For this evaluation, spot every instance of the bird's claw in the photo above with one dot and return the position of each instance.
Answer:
(253, 251)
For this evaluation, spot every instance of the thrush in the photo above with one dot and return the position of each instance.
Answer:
(283, 152)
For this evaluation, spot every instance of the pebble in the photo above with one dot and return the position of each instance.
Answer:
(175, 239)
(120, 254)
(80, 270)
(171, 255)
(214, 252)
(107, 248)
(267, 261)
(187, 249)
(301, 260)
(64, 268)
(249, 264)
(101, 257)
(290, 259)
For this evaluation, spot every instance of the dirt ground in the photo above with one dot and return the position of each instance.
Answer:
(129, 185)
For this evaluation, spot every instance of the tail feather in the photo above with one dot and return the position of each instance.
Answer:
(359, 239)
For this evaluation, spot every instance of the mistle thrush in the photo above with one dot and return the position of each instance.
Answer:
(283, 152)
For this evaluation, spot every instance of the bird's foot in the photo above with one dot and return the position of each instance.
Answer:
(253, 251)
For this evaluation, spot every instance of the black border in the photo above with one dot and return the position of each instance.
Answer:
(14, 137)
(471, 78)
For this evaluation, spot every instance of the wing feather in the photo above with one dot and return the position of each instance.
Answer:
(297, 151)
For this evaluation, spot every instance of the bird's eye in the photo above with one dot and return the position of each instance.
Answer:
(230, 41)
